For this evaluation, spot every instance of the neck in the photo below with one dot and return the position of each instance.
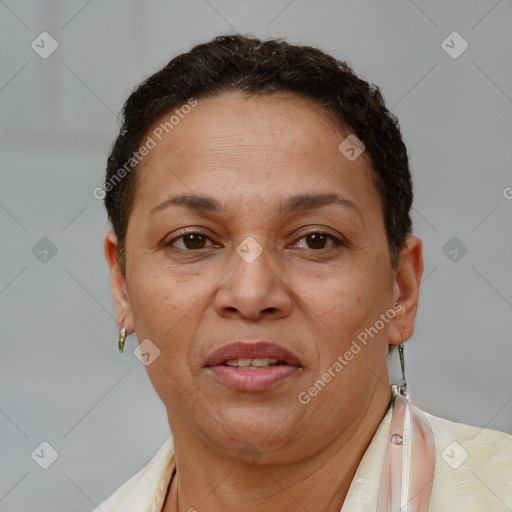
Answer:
(206, 481)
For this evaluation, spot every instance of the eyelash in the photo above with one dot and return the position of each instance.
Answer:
(336, 241)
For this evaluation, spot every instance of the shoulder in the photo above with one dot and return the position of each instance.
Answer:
(473, 467)
(145, 488)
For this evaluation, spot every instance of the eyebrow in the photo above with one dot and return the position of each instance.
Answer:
(294, 204)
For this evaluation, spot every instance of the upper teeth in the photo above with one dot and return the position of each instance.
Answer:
(246, 363)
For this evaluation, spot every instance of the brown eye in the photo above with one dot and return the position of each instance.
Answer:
(317, 240)
(190, 241)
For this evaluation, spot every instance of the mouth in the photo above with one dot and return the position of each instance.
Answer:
(252, 366)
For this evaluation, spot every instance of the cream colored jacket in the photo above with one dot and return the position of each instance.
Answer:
(473, 473)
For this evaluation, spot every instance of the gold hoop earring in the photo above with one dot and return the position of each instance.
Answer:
(121, 339)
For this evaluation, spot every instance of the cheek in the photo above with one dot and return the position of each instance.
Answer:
(166, 310)
(159, 299)
(346, 306)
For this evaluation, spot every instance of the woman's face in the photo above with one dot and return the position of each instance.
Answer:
(309, 275)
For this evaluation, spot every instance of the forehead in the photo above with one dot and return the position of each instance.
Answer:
(254, 147)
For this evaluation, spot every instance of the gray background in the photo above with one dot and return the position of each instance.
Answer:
(63, 380)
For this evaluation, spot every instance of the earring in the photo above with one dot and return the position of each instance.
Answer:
(409, 463)
(121, 339)
(402, 388)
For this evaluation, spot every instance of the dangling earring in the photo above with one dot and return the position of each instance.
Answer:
(121, 339)
(402, 389)
(408, 469)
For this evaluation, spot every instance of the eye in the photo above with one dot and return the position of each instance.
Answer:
(194, 240)
(191, 240)
(317, 239)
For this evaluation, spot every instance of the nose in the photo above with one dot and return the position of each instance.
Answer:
(254, 288)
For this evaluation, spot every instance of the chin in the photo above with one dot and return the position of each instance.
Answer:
(260, 427)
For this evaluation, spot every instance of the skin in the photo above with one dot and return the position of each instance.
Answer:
(250, 154)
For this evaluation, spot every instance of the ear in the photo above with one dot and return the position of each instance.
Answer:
(118, 282)
(407, 288)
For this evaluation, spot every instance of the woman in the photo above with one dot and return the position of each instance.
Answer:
(259, 195)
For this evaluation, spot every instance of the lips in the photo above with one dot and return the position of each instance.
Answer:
(259, 350)
(285, 365)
